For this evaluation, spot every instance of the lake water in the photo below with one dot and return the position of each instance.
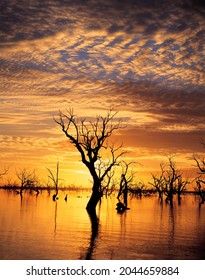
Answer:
(36, 227)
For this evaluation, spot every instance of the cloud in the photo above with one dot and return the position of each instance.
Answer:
(144, 58)
(108, 52)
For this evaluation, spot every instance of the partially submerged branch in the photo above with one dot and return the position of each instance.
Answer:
(55, 179)
(200, 189)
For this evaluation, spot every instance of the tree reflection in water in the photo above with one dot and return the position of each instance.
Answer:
(94, 220)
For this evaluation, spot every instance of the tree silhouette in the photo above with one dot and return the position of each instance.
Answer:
(27, 178)
(3, 172)
(169, 182)
(55, 179)
(127, 177)
(91, 139)
(158, 182)
(200, 181)
(200, 189)
(174, 182)
(170, 178)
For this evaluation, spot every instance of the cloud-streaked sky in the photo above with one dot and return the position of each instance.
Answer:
(144, 58)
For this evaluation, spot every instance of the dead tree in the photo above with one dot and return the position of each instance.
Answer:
(200, 182)
(126, 181)
(201, 189)
(170, 177)
(174, 183)
(180, 186)
(27, 179)
(169, 182)
(55, 179)
(137, 189)
(90, 138)
(158, 182)
(4, 172)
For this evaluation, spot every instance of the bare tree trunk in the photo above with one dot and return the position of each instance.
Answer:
(95, 197)
(21, 189)
(160, 194)
(201, 192)
(55, 180)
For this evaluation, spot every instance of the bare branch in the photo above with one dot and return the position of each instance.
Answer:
(6, 169)
(27, 178)
(200, 164)
(54, 178)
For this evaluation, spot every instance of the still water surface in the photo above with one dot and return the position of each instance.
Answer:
(35, 227)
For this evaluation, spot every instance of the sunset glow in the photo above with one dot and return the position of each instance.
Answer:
(144, 59)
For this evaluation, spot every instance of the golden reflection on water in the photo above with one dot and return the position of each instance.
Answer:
(35, 227)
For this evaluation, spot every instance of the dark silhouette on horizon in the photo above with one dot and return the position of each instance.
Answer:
(169, 182)
(28, 180)
(200, 180)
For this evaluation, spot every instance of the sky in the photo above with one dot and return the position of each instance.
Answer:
(145, 59)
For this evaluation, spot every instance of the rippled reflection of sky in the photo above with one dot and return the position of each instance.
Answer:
(144, 58)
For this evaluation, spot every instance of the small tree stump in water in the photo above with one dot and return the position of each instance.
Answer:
(121, 207)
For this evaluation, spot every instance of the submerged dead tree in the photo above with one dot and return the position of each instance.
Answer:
(174, 182)
(181, 187)
(127, 177)
(55, 180)
(170, 177)
(158, 182)
(169, 182)
(28, 180)
(200, 189)
(200, 181)
(90, 138)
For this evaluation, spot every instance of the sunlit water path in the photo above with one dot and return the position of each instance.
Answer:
(35, 227)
